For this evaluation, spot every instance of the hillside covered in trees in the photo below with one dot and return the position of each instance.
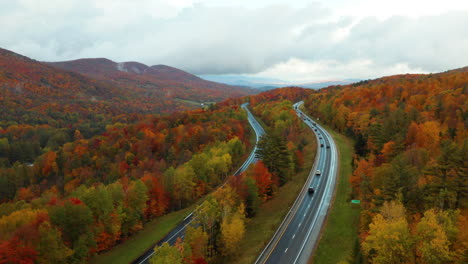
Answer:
(43, 107)
(410, 169)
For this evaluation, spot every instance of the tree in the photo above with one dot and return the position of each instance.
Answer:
(207, 215)
(389, 240)
(183, 187)
(13, 251)
(433, 243)
(252, 201)
(166, 254)
(197, 241)
(158, 202)
(98, 200)
(51, 248)
(134, 206)
(272, 150)
(264, 180)
(232, 232)
(75, 220)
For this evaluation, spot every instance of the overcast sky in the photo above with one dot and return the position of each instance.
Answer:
(304, 41)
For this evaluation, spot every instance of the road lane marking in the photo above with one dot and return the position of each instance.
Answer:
(286, 250)
(294, 236)
(328, 193)
(277, 236)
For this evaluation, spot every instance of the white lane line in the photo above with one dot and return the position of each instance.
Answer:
(327, 194)
(286, 250)
(294, 236)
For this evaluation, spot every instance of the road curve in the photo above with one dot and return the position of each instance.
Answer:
(179, 230)
(299, 232)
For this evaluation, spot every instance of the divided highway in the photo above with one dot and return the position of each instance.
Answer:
(179, 230)
(299, 232)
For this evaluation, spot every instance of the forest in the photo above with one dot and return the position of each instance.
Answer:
(410, 168)
(93, 193)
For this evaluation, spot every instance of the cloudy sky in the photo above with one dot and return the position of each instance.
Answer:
(304, 41)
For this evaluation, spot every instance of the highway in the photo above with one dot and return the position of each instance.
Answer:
(179, 230)
(298, 234)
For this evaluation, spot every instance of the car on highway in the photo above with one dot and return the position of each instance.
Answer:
(311, 190)
(321, 145)
(328, 146)
(317, 173)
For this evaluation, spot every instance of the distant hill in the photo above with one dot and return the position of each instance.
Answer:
(263, 83)
(158, 81)
(30, 78)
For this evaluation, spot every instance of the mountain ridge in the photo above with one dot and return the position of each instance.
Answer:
(170, 81)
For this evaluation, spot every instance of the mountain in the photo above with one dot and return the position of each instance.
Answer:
(264, 83)
(44, 107)
(158, 81)
(30, 78)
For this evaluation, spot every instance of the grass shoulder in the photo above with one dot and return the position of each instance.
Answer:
(340, 232)
(261, 228)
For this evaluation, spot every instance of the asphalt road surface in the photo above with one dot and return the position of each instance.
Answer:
(299, 233)
(179, 230)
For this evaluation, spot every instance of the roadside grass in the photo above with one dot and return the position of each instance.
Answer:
(138, 243)
(261, 228)
(340, 231)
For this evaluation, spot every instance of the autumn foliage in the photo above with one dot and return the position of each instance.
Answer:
(85, 162)
(411, 147)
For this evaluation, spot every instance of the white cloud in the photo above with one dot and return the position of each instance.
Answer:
(329, 40)
(297, 70)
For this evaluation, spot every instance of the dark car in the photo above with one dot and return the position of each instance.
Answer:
(328, 146)
(321, 145)
(311, 190)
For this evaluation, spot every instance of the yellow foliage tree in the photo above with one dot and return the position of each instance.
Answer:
(389, 240)
(232, 232)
